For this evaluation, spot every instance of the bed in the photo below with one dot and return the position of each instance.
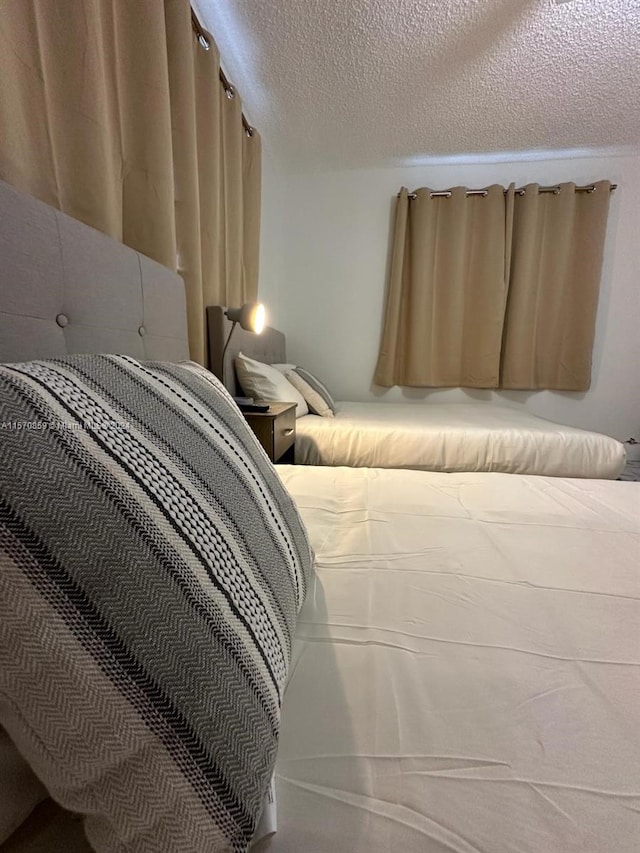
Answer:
(477, 436)
(464, 672)
(476, 641)
(455, 437)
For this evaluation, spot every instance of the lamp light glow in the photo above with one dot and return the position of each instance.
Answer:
(251, 316)
(259, 318)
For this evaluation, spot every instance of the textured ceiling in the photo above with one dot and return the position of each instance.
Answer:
(359, 83)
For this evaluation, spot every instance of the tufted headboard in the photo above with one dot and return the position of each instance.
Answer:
(67, 288)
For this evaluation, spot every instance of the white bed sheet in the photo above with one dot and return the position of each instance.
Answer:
(455, 437)
(466, 671)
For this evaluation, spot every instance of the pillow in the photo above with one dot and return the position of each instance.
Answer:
(21, 789)
(316, 403)
(264, 382)
(152, 570)
(318, 398)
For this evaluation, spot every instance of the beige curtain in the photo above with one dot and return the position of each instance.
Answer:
(556, 263)
(112, 112)
(447, 290)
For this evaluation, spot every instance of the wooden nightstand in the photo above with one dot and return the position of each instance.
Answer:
(276, 430)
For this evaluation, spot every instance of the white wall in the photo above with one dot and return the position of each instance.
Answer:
(325, 253)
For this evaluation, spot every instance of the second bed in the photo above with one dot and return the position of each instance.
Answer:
(450, 437)
(454, 437)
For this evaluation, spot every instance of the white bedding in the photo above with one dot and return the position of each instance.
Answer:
(466, 672)
(455, 437)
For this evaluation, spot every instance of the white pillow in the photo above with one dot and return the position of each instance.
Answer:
(264, 382)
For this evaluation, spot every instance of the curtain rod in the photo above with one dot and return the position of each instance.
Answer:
(204, 42)
(520, 191)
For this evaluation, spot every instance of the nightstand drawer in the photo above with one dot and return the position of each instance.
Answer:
(284, 432)
(275, 430)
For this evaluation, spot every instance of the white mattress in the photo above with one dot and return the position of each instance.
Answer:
(467, 667)
(455, 437)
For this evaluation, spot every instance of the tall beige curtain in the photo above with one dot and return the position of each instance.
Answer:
(447, 289)
(113, 112)
(556, 263)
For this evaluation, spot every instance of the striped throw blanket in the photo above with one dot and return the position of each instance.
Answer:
(152, 567)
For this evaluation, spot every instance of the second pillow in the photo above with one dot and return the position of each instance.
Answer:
(317, 396)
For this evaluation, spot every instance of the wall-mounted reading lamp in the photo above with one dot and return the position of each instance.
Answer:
(251, 318)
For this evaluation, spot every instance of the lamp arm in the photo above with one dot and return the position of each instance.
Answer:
(224, 351)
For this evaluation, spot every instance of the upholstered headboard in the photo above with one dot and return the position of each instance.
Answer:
(269, 347)
(67, 288)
